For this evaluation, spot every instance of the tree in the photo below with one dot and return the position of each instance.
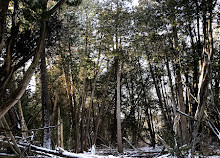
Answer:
(13, 99)
(205, 67)
(45, 103)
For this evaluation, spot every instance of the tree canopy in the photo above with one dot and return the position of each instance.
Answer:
(117, 73)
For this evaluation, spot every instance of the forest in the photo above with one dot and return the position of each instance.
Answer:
(109, 78)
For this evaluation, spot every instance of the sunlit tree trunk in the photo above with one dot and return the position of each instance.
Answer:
(54, 107)
(59, 130)
(27, 77)
(21, 115)
(181, 104)
(18, 93)
(118, 108)
(205, 69)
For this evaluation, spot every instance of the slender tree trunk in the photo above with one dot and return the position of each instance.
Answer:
(182, 107)
(77, 125)
(91, 98)
(11, 101)
(174, 106)
(45, 103)
(90, 107)
(147, 110)
(5, 125)
(3, 10)
(59, 130)
(54, 107)
(72, 102)
(163, 93)
(131, 115)
(21, 115)
(167, 123)
(216, 95)
(205, 70)
(22, 86)
(83, 101)
(118, 108)
(196, 55)
(102, 107)
(118, 87)
(23, 124)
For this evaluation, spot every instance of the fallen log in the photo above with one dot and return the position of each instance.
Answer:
(58, 152)
(5, 155)
(40, 151)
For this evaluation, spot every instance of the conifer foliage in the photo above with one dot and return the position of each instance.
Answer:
(118, 73)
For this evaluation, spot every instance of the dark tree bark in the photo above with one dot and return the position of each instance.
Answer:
(147, 110)
(18, 93)
(102, 108)
(83, 113)
(45, 103)
(181, 104)
(3, 10)
(205, 68)
(156, 84)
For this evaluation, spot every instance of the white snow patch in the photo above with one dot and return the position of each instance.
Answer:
(165, 156)
(151, 149)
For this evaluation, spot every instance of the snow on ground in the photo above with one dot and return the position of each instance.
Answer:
(139, 152)
(147, 152)
(151, 149)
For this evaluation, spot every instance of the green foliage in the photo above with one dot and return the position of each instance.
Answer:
(82, 40)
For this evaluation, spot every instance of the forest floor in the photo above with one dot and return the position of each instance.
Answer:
(157, 152)
(209, 149)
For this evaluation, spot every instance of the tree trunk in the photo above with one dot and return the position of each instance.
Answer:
(91, 99)
(72, 102)
(59, 130)
(147, 110)
(54, 107)
(216, 95)
(90, 108)
(102, 107)
(167, 123)
(5, 125)
(182, 107)
(83, 102)
(21, 115)
(3, 10)
(45, 102)
(174, 106)
(118, 107)
(205, 70)
(22, 86)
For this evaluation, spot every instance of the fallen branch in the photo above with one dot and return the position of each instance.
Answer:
(40, 151)
(183, 113)
(58, 152)
(163, 142)
(4, 124)
(207, 121)
(30, 130)
(129, 143)
(8, 155)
